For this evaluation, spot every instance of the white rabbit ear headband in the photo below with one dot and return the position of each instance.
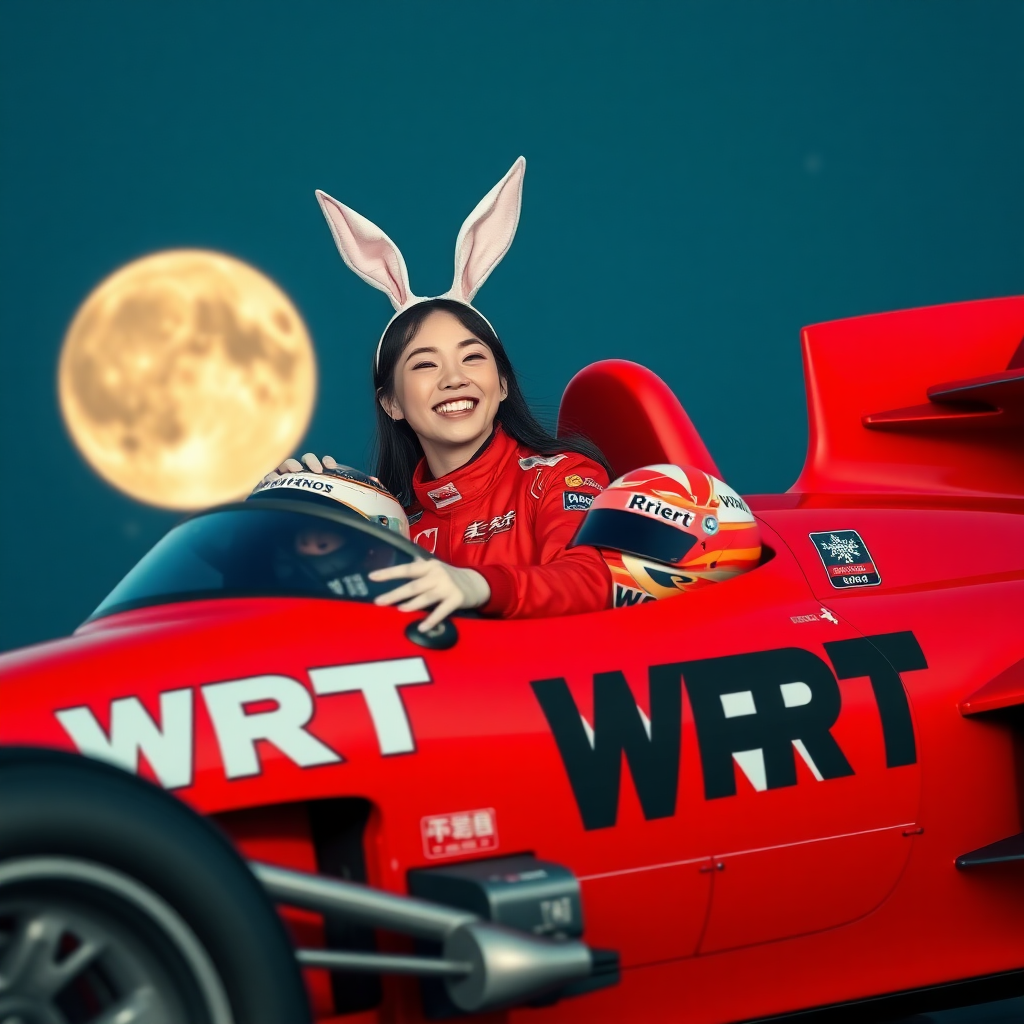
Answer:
(484, 239)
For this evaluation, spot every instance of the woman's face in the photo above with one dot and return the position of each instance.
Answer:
(446, 386)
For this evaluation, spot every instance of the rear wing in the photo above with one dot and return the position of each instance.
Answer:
(925, 401)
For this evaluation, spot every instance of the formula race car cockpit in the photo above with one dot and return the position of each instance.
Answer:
(293, 539)
(266, 548)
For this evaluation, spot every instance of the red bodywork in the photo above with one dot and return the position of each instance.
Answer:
(733, 887)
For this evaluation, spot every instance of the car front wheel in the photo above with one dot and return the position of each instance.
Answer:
(119, 905)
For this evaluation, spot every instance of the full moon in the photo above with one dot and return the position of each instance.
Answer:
(185, 376)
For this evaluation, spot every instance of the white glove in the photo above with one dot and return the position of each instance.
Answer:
(312, 465)
(433, 582)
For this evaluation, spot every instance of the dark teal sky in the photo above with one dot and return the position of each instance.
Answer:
(703, 180)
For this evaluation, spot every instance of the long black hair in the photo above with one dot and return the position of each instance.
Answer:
(398, 447)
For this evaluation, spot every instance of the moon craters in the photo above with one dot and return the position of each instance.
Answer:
(185, 376)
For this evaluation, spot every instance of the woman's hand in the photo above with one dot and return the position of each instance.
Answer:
(433, 582)
(310, 464)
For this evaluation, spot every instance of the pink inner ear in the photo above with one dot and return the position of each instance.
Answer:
(367, 250)
(380, 261)
(487, 234)
(487, 241)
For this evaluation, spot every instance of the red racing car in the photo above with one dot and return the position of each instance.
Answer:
(796, 790)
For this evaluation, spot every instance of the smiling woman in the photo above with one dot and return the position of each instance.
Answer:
(483, 482)
(439, 389)
(458, 442)
(443, 362)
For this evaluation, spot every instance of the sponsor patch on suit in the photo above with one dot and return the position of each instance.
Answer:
(446, 494)
(576, 501)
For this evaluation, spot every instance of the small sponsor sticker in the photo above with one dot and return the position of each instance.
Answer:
(427, 539)
(576, 501)
(660, 509)
(627, 596)
(734, 501)
(710, 524)
(824, 616)
(447, 494)
(532, 461)
(482, 530)
(295, 481)
(575, 480)
(449, 835)
(846, 559)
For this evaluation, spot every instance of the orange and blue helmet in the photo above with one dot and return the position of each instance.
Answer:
(667, 530)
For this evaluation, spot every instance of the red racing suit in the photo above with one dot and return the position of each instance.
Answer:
(510, 514)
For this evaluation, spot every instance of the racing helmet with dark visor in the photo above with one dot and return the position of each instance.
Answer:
(665, 530)
(634, 534)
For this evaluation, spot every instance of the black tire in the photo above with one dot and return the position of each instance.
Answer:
(109, 849)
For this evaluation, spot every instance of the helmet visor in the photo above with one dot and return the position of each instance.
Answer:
(634, 534)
